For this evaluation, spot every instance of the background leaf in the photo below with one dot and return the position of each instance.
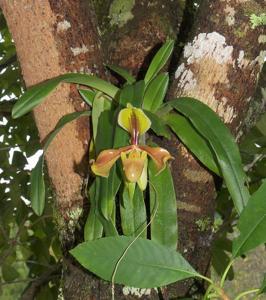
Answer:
(195, 142)
(159, 60)
(263, 286)
(123, 73)
(156, 92)
(222, 143)
(37, 191)
(145, 265)
(252, 223)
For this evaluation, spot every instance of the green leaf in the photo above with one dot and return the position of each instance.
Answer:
(139, 88)
(252, 223)
(195, 142)
(100, 110)
(37, 191)
(123, 73)
(158, 125)
(132, 94)
(223, 144)
(156, 92)
(35, 95)
(133, 213)
(159, 60)
(220, 258)
(87, 96)
(93, 228)
(32, 97)
(263, 286)
(61, 123)
(9, 273)
(164, 225)
(145, 265)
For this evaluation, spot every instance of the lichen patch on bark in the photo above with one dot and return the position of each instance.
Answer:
(229, 15)
(209, 63)
(211, 45)
(138, 292)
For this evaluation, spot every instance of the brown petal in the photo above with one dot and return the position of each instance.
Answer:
(159, 155)
(106, 160)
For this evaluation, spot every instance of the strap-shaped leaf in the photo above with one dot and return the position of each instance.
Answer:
(37, 180)
(133, 94)
(145, 265)
(156, 92)
(61, 123)
(123, 73)
(195, 142)
(133, 213)
(164, 225)
(159, 60)
(87, 95)
(36, 94)
(101, 113)
(252, 223)
(223, 144)
(106, 204)
(93, 228)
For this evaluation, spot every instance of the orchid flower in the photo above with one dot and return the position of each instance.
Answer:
(134, 157)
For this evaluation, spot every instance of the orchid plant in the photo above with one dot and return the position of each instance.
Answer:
(134, 157)
(130, 193)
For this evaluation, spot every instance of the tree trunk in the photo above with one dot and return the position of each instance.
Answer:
(219, 66)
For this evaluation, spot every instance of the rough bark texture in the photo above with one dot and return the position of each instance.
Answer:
(219, 67)
(63, 38)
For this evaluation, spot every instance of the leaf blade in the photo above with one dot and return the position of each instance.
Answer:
(123, 73)
(37, 190)
(223, 145)
(196, 143)
(164, 225)
(252, 223)
(159, 60)
(36, 94)
(158, 264)
(155, 93)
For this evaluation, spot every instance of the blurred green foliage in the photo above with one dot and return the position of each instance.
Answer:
(29, 247)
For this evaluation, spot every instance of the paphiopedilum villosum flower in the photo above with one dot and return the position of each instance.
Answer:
(134, 157)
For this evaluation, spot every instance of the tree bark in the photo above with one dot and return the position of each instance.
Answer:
(219, 67)
(64, 39)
